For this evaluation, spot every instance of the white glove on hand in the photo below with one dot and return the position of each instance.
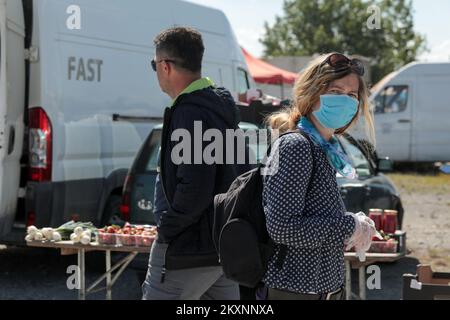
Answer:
(361, 239)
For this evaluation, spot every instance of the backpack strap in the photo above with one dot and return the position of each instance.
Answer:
(283, 248)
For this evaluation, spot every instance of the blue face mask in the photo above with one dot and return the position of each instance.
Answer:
(336, 111)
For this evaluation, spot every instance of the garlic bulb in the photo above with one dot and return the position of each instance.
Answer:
(86, 233)
(38, 236)
(48, 233)
(56, 236)
(32, 230)
(78, 231)
(85, 240)
(75, 238)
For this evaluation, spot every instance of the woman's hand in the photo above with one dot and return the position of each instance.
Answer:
(361, 239)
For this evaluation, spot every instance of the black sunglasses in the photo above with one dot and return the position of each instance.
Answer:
(340, 62)
(154, 63)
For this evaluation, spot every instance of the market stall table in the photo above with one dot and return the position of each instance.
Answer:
(69, 248)
(352, 261)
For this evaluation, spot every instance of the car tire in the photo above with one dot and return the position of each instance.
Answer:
(401, 217)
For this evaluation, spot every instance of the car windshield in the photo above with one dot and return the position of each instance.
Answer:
(359, 160)
(155, 144)
(258, 147)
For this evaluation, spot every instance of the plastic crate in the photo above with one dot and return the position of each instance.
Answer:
(126, 240)
(107, 238)
(384, 247)
(426, 285)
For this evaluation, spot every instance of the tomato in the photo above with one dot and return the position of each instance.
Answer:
(111, 230)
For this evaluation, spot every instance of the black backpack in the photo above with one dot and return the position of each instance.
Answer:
(240, 233)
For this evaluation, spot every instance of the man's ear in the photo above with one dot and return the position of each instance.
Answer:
(167, 68)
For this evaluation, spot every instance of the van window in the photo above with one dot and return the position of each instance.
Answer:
(243, 83)
(392, 99)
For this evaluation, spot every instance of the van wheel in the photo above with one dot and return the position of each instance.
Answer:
(111, 214)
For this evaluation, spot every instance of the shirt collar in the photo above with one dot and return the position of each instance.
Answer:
(197, 85)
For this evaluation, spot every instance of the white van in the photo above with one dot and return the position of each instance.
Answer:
(76, 104)
(412, 113)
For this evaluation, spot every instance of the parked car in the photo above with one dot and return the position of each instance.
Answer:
(138, 194)
(372, 189)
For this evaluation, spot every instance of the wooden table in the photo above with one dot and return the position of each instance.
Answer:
(70, 248)
(352, 262)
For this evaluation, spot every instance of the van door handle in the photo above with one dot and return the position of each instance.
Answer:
(12, 139)
(404, 121)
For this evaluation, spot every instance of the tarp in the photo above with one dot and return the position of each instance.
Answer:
(266, 73)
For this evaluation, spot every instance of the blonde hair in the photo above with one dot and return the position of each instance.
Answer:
(310, 85)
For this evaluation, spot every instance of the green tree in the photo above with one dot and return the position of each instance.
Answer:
(321, 26)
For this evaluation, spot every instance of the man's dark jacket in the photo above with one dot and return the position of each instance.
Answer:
(190, 188)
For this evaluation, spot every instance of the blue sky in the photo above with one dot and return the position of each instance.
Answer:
(432, 19)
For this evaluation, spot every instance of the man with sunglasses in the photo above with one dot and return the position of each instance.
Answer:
(183, 261)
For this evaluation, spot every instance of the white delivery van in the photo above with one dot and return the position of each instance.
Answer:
(78, 97)
(412, 113)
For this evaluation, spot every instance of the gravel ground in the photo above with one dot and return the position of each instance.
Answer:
(36, 274)
(426, 199)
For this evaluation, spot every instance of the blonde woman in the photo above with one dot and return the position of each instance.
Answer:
(305, 214)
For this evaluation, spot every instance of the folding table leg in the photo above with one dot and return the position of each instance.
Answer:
(348, 280)
(362, 283)
(82, 274)
(108, 275)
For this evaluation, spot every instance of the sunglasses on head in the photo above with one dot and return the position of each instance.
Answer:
(340, 62)
(154, 63)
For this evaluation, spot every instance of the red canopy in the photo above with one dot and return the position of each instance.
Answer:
(266, 73)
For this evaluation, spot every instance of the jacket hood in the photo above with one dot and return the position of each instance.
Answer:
(218, 101)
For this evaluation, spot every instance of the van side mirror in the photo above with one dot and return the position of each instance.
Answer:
(385, 165)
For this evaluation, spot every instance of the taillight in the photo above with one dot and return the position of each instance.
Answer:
(40, 148)
(31, 219)
(125, 211)
(126, 200)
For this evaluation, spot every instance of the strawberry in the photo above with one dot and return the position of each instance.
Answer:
(111, 230)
